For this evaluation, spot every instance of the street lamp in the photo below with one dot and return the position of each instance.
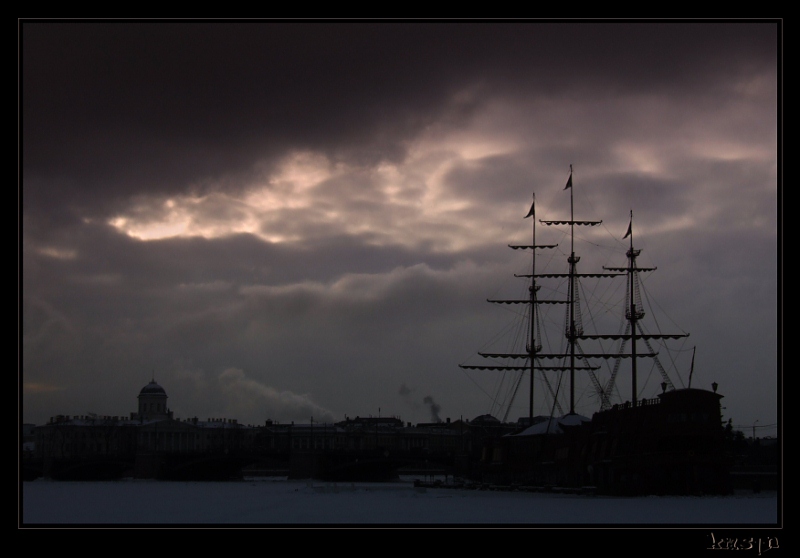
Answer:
(754, 430)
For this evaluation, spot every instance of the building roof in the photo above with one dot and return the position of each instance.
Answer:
(153, 389)
(553, 425)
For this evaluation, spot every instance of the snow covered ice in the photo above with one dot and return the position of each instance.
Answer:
(283, 502)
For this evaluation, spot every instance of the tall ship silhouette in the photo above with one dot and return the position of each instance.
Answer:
(671, 441)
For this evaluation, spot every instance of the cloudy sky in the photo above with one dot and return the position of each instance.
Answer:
(294, 220)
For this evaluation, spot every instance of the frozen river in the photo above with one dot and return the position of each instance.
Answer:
(281, 502)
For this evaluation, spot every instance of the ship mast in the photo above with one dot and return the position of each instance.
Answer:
(533, 347)
(572, 331)
(574, 328)
(634, 312)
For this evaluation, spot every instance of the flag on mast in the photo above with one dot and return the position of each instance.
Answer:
(627, 234)
(569, 182)
(530, 213)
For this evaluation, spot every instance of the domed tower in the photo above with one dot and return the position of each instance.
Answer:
(153, 402)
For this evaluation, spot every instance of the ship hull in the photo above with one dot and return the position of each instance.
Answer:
(670, 445)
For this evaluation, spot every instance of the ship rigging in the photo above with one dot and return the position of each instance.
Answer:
(537, 363)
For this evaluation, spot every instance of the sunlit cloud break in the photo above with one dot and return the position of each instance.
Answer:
(404, 203)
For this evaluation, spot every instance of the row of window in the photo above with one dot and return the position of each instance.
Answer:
(153, 407)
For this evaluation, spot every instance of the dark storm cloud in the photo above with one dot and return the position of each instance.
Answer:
(300, 217)
(126, 309)
(123, 107)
